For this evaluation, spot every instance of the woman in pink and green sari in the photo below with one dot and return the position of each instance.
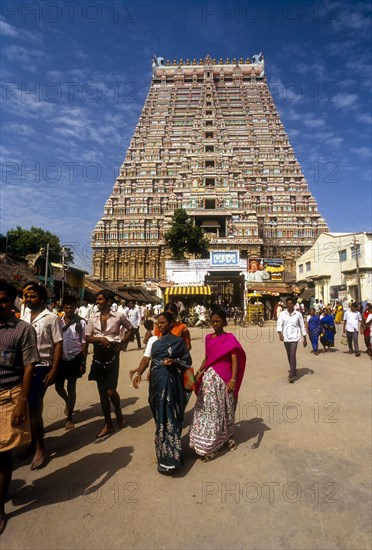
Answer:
(218, 382)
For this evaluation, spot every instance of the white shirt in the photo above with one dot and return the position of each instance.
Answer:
(134, 316)
(369, 318)
(352, 318)
(48, 327)
(114, 322)
(292, 326)
(149, 346)
(258, 276)
(84, 312)
(73, 341)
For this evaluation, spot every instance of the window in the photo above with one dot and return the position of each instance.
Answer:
(342, 255)
(209, 163)
(301, 268)
(209, 135)
(308, 266)
(209, 123)
(209, 148)
(210, 204)
(210, 182)
(208, 112)
(353, 256)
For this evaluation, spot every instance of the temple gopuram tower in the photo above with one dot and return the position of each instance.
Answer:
(209, 140)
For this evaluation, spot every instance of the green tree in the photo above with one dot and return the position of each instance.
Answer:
(21, 242)
(184, 237)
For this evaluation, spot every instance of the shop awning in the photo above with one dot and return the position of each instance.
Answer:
(268, 289)
(188, 291)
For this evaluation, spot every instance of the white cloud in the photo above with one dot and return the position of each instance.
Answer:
(349, 19)
(55, 75)
(8, 30)
(364, 152)
(365, 117)
(334, 141)
(311, 121)
(25, 56)
(20, 129)
(342, 100)
(316, 69)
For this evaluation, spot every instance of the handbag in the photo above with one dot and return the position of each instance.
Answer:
(343, 340)
(189, 379)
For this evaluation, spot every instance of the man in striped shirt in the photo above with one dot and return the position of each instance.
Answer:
(18, 355)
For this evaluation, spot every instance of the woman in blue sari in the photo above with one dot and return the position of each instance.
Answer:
(328, 329)
(313, 328)
(167, 398)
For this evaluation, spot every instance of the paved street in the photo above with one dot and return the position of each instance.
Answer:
(300, 478)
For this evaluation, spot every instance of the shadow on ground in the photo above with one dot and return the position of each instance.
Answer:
(84, 477)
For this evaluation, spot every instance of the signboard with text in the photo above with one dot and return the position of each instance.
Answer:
(224, 258)
(261, 270)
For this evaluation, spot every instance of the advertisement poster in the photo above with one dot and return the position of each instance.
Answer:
(261, 270)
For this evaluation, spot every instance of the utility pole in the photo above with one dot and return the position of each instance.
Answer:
(356, 249)
(46, 264)
(63, 272)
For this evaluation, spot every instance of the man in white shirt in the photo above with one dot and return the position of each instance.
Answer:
(290, 327)
(256, 272)
(133, 315)
(85, 310)
(48, 329)
(74, 356)
(352, 321)
(122, 308)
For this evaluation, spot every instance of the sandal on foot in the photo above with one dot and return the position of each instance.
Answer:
(209, 456)
(231, 443)
(103, 433)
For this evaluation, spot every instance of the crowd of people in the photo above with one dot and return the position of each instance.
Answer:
(40, 347)
(293, 325)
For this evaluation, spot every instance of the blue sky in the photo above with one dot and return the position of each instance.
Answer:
(76, 74)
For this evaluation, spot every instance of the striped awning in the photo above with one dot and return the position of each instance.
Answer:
(188, 291)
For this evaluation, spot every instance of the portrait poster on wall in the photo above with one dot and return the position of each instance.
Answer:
(261, 270)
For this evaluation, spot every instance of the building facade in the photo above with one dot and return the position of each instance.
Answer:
(338, 267)
(209, 140)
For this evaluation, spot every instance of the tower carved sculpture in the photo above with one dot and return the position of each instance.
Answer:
(209, 140)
